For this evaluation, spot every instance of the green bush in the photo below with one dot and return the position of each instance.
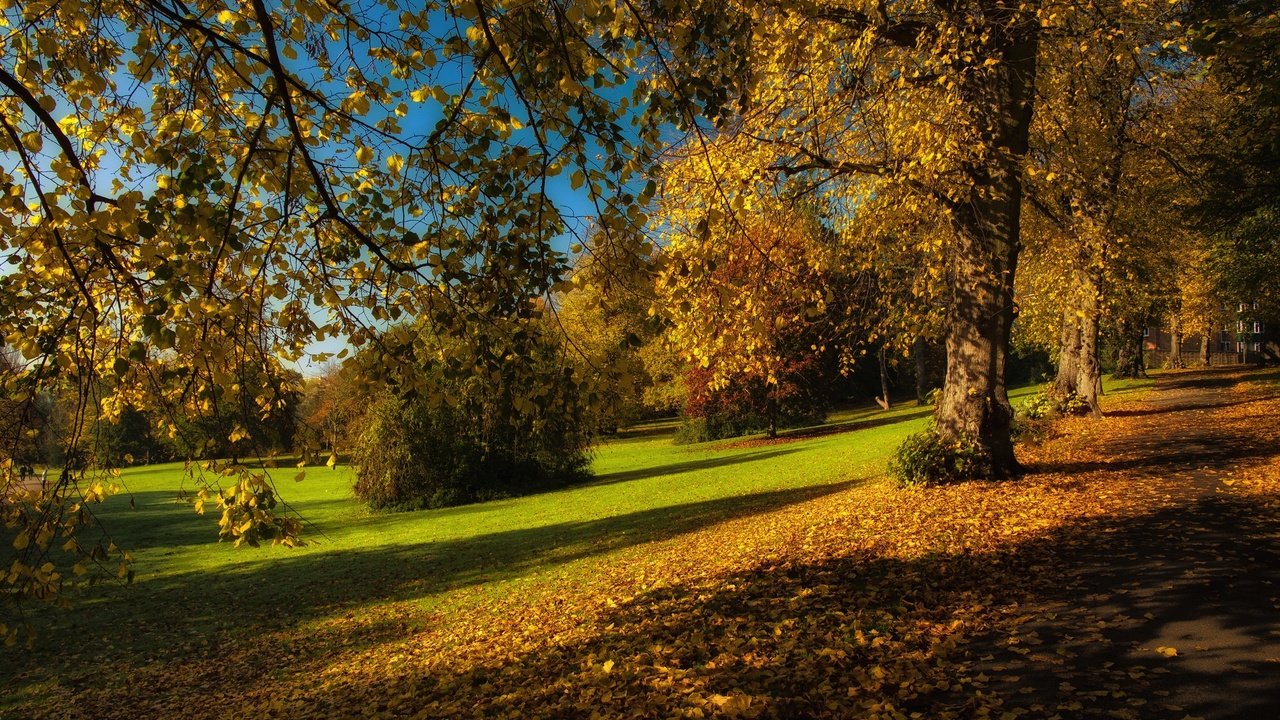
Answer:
(925, 459)
(1032, 430)
(1050, 403)
(482, 437)
(692, 430)
(1033, 421)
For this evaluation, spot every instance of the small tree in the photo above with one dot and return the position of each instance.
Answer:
(330, 407)
(750, 404)
(460, 437)
(606, 320)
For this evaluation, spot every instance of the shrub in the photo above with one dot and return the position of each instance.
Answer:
(484, 437)
(925, 459)
(1051, 403)
(1032, 430)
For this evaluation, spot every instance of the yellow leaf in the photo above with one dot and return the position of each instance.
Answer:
(1167, 651)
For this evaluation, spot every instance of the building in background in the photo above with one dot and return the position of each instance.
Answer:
(1245, 338)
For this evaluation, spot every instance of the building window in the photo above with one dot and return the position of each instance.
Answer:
(1257, 328)
(1257, 347)
(1240, 346)
(1146, 331)
(1240, 326)
(1244, 307)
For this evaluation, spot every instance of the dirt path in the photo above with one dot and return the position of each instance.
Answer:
(1176, 612)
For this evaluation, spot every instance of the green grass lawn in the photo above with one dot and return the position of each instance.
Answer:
(193, 592)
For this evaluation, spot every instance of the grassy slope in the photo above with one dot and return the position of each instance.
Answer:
(192, 594)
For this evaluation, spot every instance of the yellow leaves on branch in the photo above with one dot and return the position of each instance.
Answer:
(45, 522)
(739, 266)
(248, 506)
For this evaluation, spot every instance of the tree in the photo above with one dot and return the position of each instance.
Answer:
(927, 105)
(1201, 307)
(331, 405)
(607, 319)
(752, 295)
(1233, 116)
(492, 438)
(1104, 81)
(1243, 262)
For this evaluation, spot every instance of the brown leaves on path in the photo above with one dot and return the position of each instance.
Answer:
(1058, 595)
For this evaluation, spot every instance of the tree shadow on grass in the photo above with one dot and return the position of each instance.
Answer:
(835, 428)
(1202, 378)
(155, 519)
(684, 467)
(1073, 619)
(1211, 380)
(857, 424)
(647, 430)
(162, 617)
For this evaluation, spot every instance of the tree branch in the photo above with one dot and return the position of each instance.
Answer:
(51, 125)
(332, 211)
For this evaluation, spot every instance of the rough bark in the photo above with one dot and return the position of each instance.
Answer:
(1129, 353)
(1089, 377)
(883, 401)
(1205, 357)
(1069, 355)
(974, 403)
(771, 412)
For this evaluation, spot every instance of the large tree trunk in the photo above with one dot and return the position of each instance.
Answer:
(771, 410)
(1069, 355)
(974, 404)
(1089, 380)
(1175, 342)
(1205, 357)
(1129, 362)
